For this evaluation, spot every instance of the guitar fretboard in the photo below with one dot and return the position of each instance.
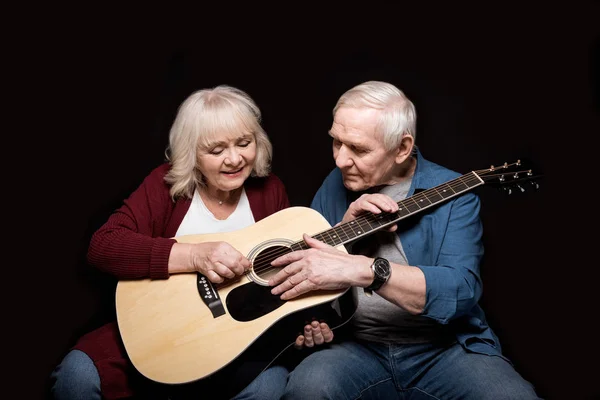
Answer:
(369, 223)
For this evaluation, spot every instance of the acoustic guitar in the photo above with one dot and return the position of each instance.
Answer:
(186, 329)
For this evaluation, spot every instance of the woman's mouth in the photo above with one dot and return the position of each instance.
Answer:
(234, 173)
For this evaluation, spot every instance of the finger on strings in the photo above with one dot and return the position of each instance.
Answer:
(288, 258)
(314, 243)
(286, 273)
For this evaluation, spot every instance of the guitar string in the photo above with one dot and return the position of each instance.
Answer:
(465, 179)
(456, 183)
(347, 227)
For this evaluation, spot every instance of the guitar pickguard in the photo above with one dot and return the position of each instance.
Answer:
(251, 301)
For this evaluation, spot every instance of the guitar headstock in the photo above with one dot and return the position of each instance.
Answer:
(510, 178)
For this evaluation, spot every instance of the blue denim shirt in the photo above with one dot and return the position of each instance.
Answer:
(445, 243)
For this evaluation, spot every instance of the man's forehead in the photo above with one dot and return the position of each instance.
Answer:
(353, 134)
(357, 116)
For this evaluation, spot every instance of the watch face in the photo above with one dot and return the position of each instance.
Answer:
(382, 267)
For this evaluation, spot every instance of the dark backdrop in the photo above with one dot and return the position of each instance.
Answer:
(507, 84)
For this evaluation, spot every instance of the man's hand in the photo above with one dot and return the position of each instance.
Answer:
(320, 267)
(375, 203)
(315, 333)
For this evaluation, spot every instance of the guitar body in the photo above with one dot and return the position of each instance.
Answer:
(184, 329)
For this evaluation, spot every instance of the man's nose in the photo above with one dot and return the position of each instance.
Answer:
(342, 158)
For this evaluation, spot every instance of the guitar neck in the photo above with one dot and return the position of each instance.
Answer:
(369, 223)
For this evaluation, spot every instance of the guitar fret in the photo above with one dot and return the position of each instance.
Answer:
(411, 205)
(366, 219)
(460, 185)
(379, 219)
(447, 190)
(356, 228)
(336, 239)
(330, 240)
(364, 225)
(320, 237)
(298, 246)
(423, 200)
(433, 196)
(402, 211)
(341, 232)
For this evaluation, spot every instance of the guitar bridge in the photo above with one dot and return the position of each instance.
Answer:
(210, 296)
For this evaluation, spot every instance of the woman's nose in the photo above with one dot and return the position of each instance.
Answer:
(233, 157)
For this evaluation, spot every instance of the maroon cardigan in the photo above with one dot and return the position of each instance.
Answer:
(135, 243)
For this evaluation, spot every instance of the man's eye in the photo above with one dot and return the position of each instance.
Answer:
(337, 143)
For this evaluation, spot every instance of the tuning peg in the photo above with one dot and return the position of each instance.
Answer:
(507, 190)
(521, 188)
(535, 184)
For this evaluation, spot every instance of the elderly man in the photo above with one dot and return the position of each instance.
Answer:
(418, 329)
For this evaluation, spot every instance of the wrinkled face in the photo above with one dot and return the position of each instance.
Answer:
(358, 150)
(227, 161)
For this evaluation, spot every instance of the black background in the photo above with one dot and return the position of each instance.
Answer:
(491, 85)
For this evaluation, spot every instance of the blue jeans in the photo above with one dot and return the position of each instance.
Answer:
(361, 370)
(76, 378)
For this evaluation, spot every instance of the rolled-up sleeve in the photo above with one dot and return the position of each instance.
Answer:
(454, 283)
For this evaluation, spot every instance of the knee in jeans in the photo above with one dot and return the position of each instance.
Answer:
(313, 386)
(75, 376)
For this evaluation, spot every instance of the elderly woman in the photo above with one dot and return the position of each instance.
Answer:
(217, 179)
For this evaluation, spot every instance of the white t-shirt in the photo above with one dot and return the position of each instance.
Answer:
(199, 219)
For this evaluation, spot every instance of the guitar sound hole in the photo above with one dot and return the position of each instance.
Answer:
(262, 263)
(251, 301)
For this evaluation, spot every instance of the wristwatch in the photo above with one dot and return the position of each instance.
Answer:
(382, 271)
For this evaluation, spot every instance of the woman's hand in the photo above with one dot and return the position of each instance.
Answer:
(218, 261)
(315, 333)
(215, 260)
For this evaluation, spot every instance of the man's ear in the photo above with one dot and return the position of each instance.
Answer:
(405, 149)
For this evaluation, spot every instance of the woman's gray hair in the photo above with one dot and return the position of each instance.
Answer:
(398, 116)
(201, 118)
